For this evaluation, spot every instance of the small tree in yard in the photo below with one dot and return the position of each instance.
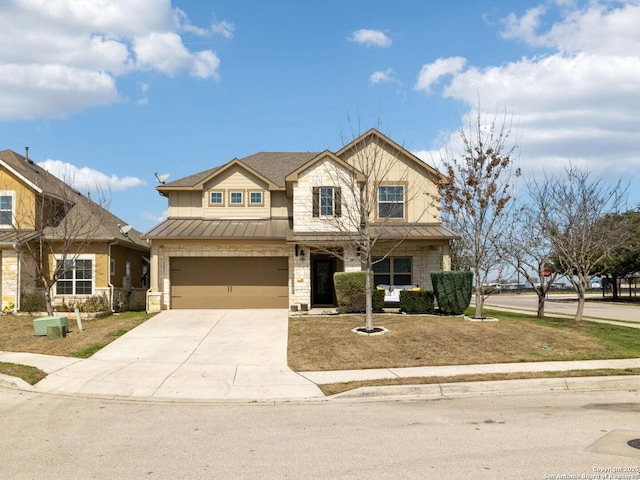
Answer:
(572, 211)
(525, 247)
(356, 219)
(54, 232)
(477, 195)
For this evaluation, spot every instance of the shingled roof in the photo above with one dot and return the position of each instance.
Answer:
(48, 185)
(274, 166)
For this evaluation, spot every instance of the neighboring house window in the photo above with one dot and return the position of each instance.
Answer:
(77, 278)
(216, 198)
(391, 201)
(236, 198)
(327, 201)
(112, 267)
(6, 209)
(392, 271)
(255, 198)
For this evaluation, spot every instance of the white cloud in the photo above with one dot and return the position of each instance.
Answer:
(86, 179)
(370, 38)
(59, 57)
(383, 76)
(433, 72)
(578, 103)
(224, 28)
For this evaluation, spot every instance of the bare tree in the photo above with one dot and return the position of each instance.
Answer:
(571, 210)
(52, 231)
(478, 192)
(373, 184)
(525, 247)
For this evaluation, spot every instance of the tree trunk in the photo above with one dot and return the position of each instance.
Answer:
(479, 296)
(541, 297)
(580, 309)
(614, 286)
(47, 301)
(368, 296)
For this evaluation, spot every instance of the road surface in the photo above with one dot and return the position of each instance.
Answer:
(532, 436)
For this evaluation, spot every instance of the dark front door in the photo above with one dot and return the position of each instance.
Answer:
(322, 288)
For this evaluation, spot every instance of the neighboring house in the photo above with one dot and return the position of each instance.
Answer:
(257, 232)
(40, 213)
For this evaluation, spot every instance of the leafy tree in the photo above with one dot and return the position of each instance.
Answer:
(624, 260)
(477, 194)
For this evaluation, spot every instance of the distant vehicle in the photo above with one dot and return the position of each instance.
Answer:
(559, 285)
(596, 283)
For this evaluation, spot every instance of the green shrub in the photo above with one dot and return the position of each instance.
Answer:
(350, 293)
(33, 302)
(420, 301)
(452, 290)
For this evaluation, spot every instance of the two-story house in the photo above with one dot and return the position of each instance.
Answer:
(46, 224)
(270, 230)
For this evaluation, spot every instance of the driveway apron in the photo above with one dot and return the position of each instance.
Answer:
(192, 354)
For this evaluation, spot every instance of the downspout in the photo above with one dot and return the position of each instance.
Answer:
(19, 291)
(111, 287)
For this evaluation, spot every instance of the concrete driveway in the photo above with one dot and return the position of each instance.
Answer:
(191, 354)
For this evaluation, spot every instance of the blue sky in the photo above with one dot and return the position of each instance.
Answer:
(108, 92)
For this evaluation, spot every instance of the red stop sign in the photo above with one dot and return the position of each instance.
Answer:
(546, 273)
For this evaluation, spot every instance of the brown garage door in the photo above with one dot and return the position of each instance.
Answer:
(236, 282)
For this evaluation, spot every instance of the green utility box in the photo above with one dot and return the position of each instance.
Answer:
(40, 324)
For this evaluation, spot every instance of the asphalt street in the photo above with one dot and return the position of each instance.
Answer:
(566, 304)
(520, 436)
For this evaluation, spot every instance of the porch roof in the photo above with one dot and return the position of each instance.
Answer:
(421, 231)
(194, 228)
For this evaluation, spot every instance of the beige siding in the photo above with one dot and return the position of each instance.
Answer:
(421, 193)
(185, 204)
(236, 179)
(328, 174)
(281, 206)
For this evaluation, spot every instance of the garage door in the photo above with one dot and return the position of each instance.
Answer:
(237, 282)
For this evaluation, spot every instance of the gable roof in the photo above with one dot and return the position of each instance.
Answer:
(273, 167)
(44, 183)
(374, 135)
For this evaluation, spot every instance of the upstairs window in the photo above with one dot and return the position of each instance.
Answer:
(6, 209)
(391, 201)
(255, 199)
(236, 199)
(216, 198)
(327, 202)
(77, 277)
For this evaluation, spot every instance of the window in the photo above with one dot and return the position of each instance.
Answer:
(392, 271)
(77, 277)
(255, 198)
(6, 209)
(216, 198)
(112, 267)
(236, 198)
(391, 201)
(327, 201)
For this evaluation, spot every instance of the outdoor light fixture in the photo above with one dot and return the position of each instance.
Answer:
(302, 254)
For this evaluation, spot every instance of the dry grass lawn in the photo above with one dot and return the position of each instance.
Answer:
(17, 334)
(326, 343)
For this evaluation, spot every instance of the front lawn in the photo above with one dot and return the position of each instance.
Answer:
(326, 343)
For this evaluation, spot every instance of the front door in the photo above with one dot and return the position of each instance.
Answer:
(322, 291)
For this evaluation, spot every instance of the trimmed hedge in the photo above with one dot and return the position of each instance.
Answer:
(350, 293)
(420, 301)
(452, 290)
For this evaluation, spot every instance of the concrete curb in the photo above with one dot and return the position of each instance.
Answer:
(14, 382)
(496, 387)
